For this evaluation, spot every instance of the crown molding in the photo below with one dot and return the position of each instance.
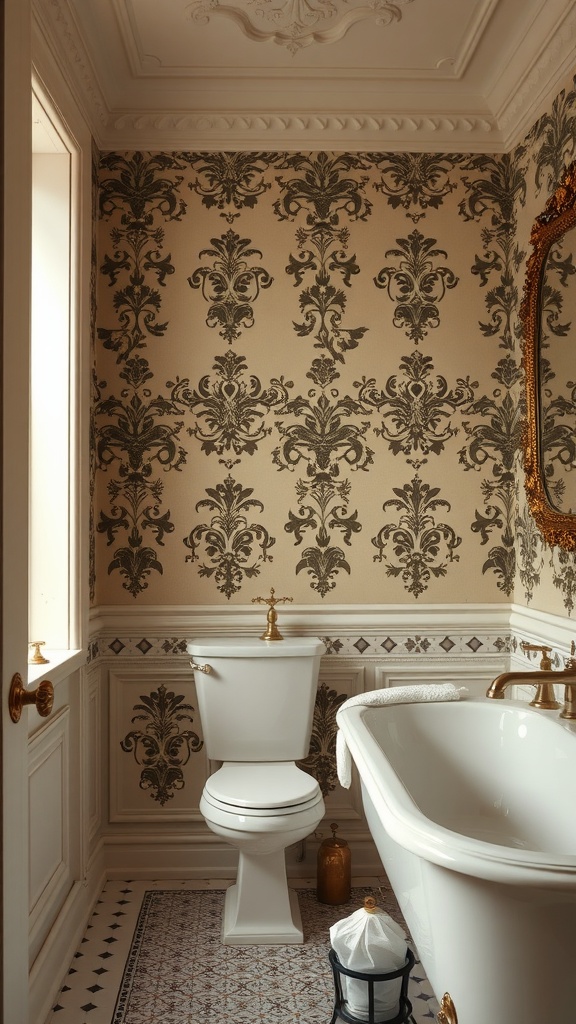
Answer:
(425, 120)
(525, 95)
(289, 131)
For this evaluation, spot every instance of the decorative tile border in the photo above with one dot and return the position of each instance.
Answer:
(404, 646)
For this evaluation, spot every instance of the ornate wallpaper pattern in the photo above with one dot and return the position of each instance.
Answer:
(308, 375)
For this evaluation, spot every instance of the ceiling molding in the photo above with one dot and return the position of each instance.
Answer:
(540, 81)
(297, 25)
(306, 131)
(144, 103)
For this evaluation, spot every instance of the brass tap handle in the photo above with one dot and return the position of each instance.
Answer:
(545, 662)
(370, 905)
(271, 632)
(570, 665)
(35, 658)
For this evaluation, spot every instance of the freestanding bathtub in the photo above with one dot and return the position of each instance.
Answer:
(472, 806)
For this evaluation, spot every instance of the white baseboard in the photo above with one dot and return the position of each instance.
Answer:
(176, 857)
(53, 961)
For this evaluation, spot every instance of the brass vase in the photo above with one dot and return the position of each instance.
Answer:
(334, 874)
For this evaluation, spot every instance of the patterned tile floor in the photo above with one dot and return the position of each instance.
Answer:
(90, 989)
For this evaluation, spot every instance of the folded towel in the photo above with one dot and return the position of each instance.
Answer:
(379, 698)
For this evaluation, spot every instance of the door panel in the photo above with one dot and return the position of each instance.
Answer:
(16, 228)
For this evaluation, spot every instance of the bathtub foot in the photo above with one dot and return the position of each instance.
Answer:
(447, 1013)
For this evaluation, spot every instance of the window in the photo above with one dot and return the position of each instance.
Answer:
(53, 397)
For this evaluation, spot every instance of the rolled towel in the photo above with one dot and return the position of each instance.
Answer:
(379, 698)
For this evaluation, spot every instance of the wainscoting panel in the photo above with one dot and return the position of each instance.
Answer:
(50, 847)
(158, 764)
(93, 723)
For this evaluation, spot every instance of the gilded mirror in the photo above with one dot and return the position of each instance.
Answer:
(548, 314)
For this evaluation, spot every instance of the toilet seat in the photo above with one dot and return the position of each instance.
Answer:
(264, 789)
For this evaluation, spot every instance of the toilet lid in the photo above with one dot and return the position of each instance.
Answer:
(266, 785)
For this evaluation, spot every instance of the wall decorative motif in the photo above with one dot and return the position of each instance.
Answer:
(416, 537)
(271, 442)
(160, 748)
(498, 188)
(563, 569)
(416, 415)
(136, 440)
(416, 285)
(231, 285)
(420, 180)
(322, 441)
(229, 538)
(138, 192)
(321, 761)
(529, 553)
(229, 413)
(231, 182)
(553, 138)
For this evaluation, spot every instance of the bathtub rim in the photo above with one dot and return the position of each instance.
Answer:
(408, 826)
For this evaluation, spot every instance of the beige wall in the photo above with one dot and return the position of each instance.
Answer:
(363, 448)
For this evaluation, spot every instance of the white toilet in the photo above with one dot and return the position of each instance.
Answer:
(256, 702)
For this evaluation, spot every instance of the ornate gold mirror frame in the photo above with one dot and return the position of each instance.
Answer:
(557, 528)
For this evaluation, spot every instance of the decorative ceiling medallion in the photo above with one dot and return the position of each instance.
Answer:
(295, 23)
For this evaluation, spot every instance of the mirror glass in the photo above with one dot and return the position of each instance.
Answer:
(548, 315)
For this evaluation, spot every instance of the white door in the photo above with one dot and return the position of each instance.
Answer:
(16, 200)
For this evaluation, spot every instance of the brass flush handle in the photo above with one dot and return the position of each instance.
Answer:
(19, 696)
(206, 669)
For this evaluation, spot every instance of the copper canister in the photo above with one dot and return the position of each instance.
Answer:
(334, 876)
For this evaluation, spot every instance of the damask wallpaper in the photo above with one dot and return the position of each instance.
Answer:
(307, 376)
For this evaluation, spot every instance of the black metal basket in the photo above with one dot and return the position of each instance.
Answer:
(404, 1007)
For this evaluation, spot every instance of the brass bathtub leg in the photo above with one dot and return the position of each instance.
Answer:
(447, 1013)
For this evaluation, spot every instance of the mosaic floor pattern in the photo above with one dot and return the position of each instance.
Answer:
(152, 955)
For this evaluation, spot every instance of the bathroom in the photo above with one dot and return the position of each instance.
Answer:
(305, 375)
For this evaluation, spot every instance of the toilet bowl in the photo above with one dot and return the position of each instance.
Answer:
(238, 805)
(256, 702)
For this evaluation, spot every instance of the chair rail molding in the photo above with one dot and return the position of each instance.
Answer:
(388, 632)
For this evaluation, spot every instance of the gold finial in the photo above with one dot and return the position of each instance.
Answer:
(271, 629)
(370, 905)
(447, 1012)
(36, 658)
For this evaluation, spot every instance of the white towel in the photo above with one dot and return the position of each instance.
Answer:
(379, 698)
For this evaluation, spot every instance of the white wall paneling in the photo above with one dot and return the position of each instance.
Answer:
(143, 650)
(93, 733)
(50, 846)
(155, 777)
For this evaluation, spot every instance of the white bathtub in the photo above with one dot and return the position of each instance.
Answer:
(472, 806)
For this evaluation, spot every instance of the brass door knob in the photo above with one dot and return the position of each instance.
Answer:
(19, 696)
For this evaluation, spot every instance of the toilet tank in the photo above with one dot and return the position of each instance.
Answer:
(256, 703)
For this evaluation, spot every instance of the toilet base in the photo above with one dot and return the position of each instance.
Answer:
(260, 909)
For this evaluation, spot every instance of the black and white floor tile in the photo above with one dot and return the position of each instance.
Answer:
(89, 993)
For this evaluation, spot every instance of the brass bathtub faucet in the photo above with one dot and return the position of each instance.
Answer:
(543, 679)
